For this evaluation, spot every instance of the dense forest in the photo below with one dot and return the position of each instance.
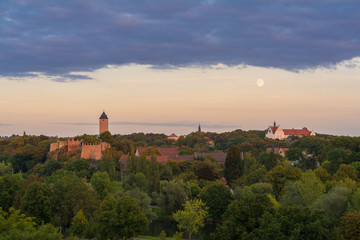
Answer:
(312, 192)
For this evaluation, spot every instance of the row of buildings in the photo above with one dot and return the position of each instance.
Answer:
(94, 151)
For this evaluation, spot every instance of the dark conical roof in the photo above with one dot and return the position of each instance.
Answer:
(103, 116)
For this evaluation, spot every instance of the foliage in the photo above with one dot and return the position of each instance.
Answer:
(346, 171)
(37, 202)
(173, 195)
(217, 197)
(304, 191)
(118, 219)
(102, 184)
(79, 224)
(18, 226)
(71, 194)
(192, 217)
(279, 175)
(333, 203)
(243, 216)
(233, 165)
(349, 226)
(11, 189)
(293, 223)
(106, 137)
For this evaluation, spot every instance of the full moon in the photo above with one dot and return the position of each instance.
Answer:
(259, 82)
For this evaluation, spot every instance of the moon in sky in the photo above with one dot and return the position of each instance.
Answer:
(259, 82)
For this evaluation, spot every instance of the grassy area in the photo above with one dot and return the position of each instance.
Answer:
(153, 238)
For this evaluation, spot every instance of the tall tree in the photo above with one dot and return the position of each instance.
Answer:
(37, 202)
(217, 197)
(122, 218)
(192, 217)
(233, 165)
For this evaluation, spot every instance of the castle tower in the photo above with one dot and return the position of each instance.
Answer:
(103, 123)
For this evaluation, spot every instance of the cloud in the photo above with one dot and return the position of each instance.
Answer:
(162, 124)
(60, 37)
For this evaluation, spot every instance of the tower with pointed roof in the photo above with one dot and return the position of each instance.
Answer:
(199, 128)
(103, 123)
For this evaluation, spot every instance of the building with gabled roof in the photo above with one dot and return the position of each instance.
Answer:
(173, 136)
(276, 132)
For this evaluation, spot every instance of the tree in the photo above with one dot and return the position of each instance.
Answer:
(14, 225)
(293, 223)
(11, 189)
(322, 174)
(243, 216)
(106, 137)
(346, 171)
(305, 191)
(217, 197)
(120, 218)
(102, 184)
(279, 175)
(192, 217)
(70, 195)
(137, 180)
(79, 224)
(107, 164)
(233, 165)
(37, 202)
(271, 161)
(349, 225)
(333, 203)
(172, 195)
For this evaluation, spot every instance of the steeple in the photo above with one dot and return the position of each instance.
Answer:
(199, 128)
(103, 116)
(274, 124)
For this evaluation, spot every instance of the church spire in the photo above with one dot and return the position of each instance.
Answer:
(199, 128)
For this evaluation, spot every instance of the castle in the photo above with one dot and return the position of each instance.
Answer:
(87, 150)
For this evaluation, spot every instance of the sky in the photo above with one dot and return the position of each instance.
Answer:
(166, 66)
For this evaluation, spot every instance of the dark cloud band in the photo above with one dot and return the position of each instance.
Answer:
(60, 37)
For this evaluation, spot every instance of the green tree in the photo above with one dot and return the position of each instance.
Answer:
(118, 219)
(243, 216)
(192, 217)
(354, 203)
(70, 195)
(346, 171)
(102, 184)
(173, 195)
(106, 137)
(137, 180)
(79, 224)
(279, 175)
(304, 191)
(11, 190)
(233, 165)
(293, 223)
(107, 164)
(272, 160)
(333, 203)
(349, 226)
(37, 202)
(14, 225)
(322, 174)
(217, 197)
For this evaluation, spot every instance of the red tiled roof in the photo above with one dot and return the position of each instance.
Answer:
(220, 157)
(273, 129)
(292, 132)
(173, 135)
